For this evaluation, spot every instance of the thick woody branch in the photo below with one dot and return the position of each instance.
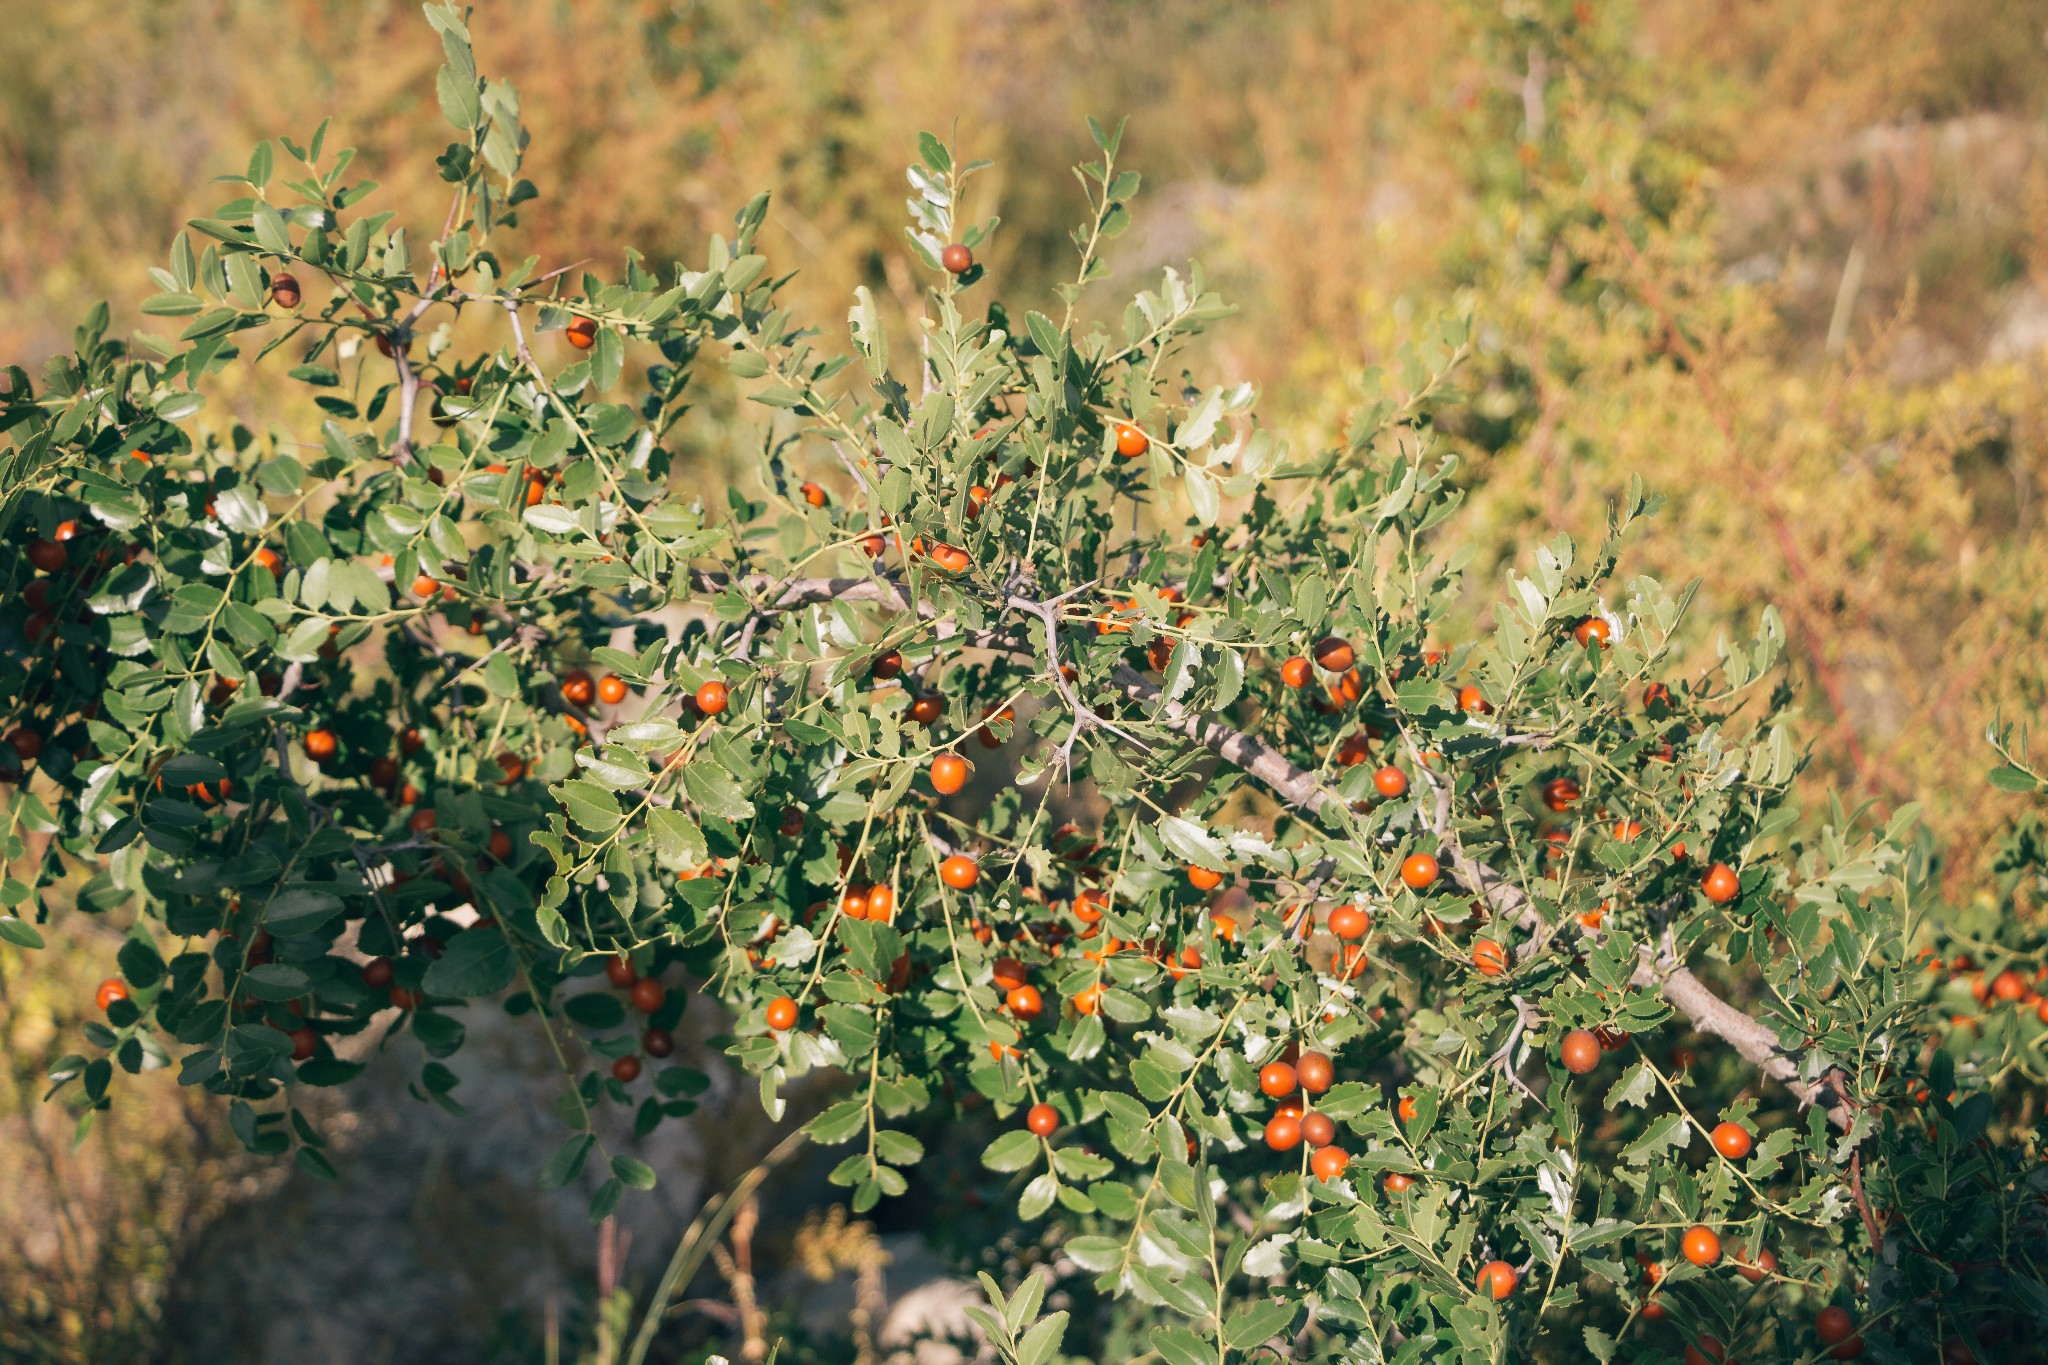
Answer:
(1681, 989)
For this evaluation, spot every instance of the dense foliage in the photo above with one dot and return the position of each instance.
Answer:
(1335, 979)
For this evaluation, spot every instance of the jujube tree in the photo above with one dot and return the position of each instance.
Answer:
(1029, 733)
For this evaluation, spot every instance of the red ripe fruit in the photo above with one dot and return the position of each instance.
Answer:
(1593, 631)
(1701, 1245)
(1764, 1263)
(949, 774)
(1042, 1119)
(1277, 1079)
(48, 556)
(26, 743)
(1580, 1051)
(711, 697)
(1334, 653)
(886, 665)
(618, 969)
(1295, 672)
(657, 1042)
(1314, 1072)
(1349, 923)
(1329, 1162)
(305, 1042)
(957, 258)
(1833, 1324)
(582, 333)
(1497, 1279)
(1732, 1140)
(647, 995)
(1283, 1132)
(1318, 1129)
(1721, 884)
(284, 291)
(1390, 782)
(377, 973)
(626, 1069)
(1418, 870)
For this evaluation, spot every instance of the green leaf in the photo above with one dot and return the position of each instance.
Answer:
(479, 962)
(20, 934)
(299, 911)
(590, 805)
(461, 102)
(276, 982)
(1013, 1151)
(607, 358)
(633, 1172)
(595, 1010)
(567, 1162)
(2010, 779)
(1257, 1322)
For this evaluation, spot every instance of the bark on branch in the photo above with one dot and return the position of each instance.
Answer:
(1753, 1040)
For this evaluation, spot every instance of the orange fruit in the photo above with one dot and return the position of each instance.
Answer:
(959, 872)
(1329, 1162)
(1202, 879)
(1295, 672)
(1731, 1140)
(1721, 884)
(1497, 1280)
(1701, 1245)
(1348, 922)
(1756, 1268)
(1277, 1079)
(1283, 1132)
(1334, 653)
(1580, 1051)
(1042, 1119)
(781, 1014)
(611, 689)
(949, 774)
(1390, 782)
(1025, 1002)
(582, 333)
(1418, 870)
(1593, 631)
(1489, 957)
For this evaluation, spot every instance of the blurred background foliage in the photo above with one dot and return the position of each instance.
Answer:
(1782, 260)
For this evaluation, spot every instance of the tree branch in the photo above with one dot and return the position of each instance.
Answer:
(1751, 1038)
